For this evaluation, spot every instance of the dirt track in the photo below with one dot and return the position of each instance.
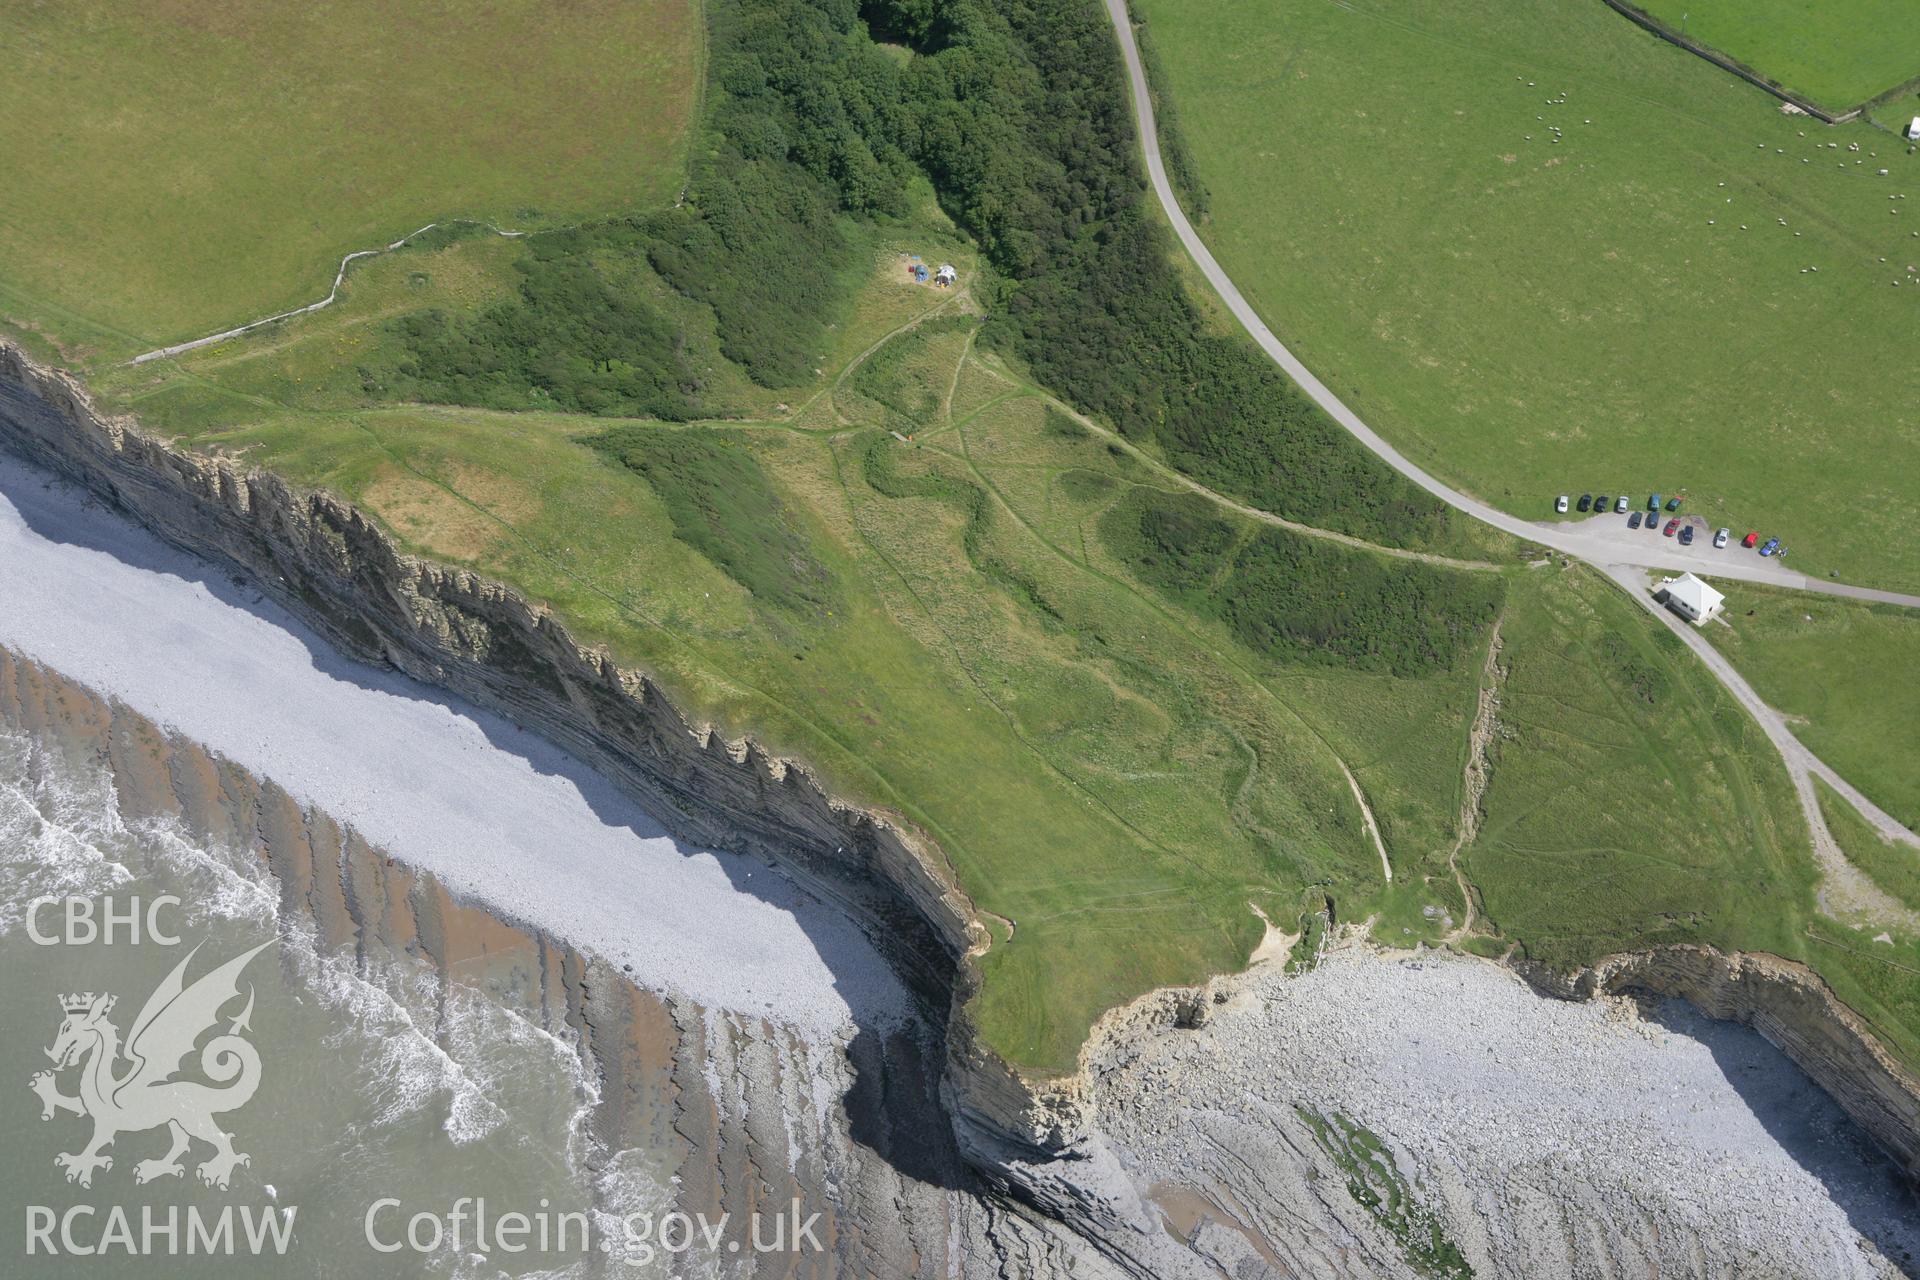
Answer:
(1603, 542)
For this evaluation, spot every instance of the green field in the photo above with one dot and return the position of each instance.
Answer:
(965, 616)
(1876, 971)
(844, 513)
(1526, 317)
(1620, 764)
(178, 169)
(1842, 671)
(928, 624)
(1837, 55)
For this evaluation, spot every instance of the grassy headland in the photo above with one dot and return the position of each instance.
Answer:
(935, 542)
(1842, 672)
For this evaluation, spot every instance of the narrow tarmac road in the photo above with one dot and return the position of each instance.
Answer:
(1596, 541)
(1585, 541)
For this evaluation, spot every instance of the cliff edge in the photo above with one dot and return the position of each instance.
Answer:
(1037, 1139)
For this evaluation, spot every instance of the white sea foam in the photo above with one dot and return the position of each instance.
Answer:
(491, 810)
(212, 882)
(59, 835)
(404, 1069)
(409, 1041)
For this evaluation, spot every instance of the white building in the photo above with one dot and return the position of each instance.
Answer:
(1692, 599)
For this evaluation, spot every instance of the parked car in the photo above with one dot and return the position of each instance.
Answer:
(1673, 504)
(1653, 522)
(1620, 504)
(1560, 504)
(1586, 501)
(1653, 502)
(1720, 538)
(1600, 503)
(1633, 521)
(1686, 536)
(1772, 546)
(1749, 540)
(1671, 526)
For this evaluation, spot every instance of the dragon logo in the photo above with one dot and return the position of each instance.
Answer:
(146, 1095)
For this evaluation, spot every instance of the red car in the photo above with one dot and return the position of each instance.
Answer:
(1671, 526)
(1750, 541)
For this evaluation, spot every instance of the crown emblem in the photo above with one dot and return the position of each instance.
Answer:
(166, 1034)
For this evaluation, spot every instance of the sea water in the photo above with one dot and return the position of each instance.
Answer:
(383, 1090)
(380, 1080)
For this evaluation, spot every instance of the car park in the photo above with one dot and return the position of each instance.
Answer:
(1620, 504)
(1772, 546)
(1586, 501)
(1560, 504)
(1720, 538)
(1671, 526)
(1633, 521)
(1749, 540)
(1686, 536)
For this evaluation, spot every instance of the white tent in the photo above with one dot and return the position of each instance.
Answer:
(1692, 599)
(1913, 130)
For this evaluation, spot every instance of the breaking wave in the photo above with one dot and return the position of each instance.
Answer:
(414, 1041)
(59, 835)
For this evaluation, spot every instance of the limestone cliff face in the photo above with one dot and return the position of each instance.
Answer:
(485, 643)
(740, 1112)
(1039, 1140)
(336, 568)
(1787, 1003)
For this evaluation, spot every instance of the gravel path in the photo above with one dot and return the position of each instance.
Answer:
(1595, 545)
(1605, 544)
(1846, 888)
(339, 278)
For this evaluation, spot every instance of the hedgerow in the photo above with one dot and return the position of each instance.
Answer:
(1017, 113)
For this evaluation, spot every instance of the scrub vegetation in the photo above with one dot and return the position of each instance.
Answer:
(1543, 252)
(961, 614)
(723, 505)
(1303, 599)
(1019, 121)
(932, 541)
(571, 339)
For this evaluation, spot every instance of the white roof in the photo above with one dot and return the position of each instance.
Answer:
(1699, 598)
(1913, 130)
